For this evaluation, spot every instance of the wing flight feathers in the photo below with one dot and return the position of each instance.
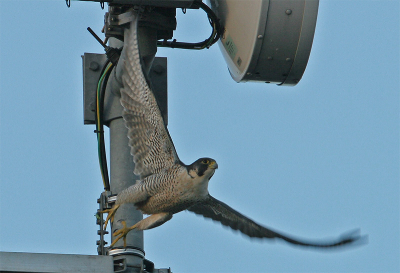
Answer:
(219, 211)
(151, 146)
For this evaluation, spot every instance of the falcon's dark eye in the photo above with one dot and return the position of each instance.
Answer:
(205, 161)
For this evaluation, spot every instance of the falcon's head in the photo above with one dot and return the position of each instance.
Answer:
(203, 167)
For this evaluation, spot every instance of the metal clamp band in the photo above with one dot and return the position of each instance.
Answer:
(126, 251)
(111, 199)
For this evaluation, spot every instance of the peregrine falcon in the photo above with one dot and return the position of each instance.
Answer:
(166, 185)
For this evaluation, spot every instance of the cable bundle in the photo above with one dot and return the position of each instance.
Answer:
(99, 120)
(216, 33)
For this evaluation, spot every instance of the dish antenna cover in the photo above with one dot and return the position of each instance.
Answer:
(266, 40)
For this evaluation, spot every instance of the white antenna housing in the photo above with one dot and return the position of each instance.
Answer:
(266, 40)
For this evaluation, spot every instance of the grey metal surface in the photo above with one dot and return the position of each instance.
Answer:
(279, 46)
(157, 74)
(267, 40)
(121, 177)
(305, 43)
(92, 64)
(43, 262)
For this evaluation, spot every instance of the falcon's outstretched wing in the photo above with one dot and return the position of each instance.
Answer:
(151, 146)
(219, 211)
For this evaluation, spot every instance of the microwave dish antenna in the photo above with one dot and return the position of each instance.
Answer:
(266, 40)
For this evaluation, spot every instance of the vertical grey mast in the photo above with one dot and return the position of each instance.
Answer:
(121, 161)
(117, 24)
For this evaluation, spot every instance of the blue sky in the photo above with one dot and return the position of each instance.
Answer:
(314, 160)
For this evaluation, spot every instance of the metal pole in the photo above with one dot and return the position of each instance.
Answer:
(121, 161)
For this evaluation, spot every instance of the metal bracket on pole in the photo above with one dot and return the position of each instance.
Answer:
(103, 204)
(92, 63)
(161, 19)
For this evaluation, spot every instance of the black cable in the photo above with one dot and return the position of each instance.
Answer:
(102, 143)
(100, 126)
(214, 19)
(214, 22)
(112, 59)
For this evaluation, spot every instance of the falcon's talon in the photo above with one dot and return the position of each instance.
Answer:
(110, 216)
(122, 233)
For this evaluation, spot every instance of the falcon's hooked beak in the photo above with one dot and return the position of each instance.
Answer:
(213, 165)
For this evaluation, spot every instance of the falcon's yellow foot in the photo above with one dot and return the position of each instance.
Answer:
(122, 233)
(110, 216)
